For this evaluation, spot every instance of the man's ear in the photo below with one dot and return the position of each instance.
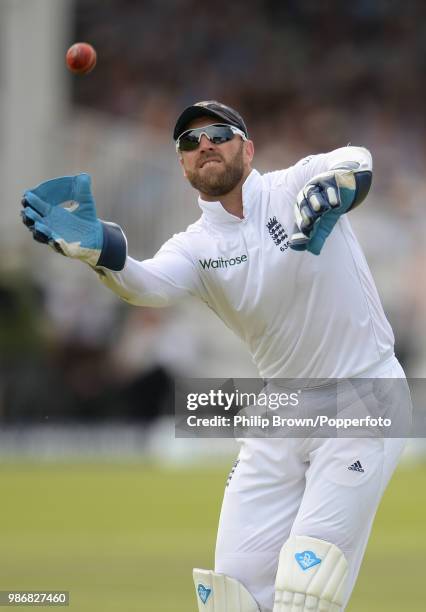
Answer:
(182, 164)
(249, 150)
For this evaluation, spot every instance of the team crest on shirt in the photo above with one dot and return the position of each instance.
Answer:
(278, 233)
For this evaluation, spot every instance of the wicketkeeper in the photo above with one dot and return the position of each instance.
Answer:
(294, 285)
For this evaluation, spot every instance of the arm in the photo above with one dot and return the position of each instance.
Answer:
(313, 165)
(62, 213)
(332, 184)
(169, 276)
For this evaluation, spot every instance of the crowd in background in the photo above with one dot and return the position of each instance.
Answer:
(299, 69)
(272, 59)
(307, 76)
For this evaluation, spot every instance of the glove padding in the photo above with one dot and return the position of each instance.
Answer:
(62, 213)
(319, 205)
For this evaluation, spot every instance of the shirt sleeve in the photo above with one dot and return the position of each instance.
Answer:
(161, 281)
(298, 175)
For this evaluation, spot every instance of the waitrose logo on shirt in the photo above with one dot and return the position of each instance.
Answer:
(206, 264)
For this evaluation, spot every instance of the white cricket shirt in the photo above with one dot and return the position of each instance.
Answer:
(300, 315)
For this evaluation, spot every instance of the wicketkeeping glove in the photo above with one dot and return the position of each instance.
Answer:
(322, 201)
(62, 213)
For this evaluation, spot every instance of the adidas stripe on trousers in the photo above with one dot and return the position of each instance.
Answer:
(301, 486)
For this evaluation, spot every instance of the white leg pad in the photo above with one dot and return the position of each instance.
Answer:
(311, 576)
(219, 593)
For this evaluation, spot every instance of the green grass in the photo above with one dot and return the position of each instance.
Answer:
(125, 537)
(395, 562)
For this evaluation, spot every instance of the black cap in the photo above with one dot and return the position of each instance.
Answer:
(209, 108)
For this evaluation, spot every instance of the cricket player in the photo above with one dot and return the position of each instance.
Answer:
(275, 257)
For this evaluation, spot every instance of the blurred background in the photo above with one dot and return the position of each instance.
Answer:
(99, 496)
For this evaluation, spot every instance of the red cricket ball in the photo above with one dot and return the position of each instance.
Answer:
(81, 58)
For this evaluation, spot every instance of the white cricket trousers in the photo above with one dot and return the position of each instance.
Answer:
(301, 486)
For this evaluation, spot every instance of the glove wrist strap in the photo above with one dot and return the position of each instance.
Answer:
(363, 183)
(114, 247)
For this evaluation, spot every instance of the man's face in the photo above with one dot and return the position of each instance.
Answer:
(215, 170)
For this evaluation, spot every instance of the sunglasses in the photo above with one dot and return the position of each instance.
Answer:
(217, 134)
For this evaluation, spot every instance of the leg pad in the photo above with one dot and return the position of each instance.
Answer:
(311, 576)
(220, 593)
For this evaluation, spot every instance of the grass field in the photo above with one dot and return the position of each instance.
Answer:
(125, 537)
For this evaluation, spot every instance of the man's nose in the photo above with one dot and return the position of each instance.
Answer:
(205, 143)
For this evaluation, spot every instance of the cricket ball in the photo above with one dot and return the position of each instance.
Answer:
(81, 58)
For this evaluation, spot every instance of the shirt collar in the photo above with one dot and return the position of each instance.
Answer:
(215, 212)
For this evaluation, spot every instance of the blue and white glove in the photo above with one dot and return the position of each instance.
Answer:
(62, 213)
(322, 201)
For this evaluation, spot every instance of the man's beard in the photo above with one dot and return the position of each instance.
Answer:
(219, 182)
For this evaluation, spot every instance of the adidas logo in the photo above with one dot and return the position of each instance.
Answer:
(356, 467)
